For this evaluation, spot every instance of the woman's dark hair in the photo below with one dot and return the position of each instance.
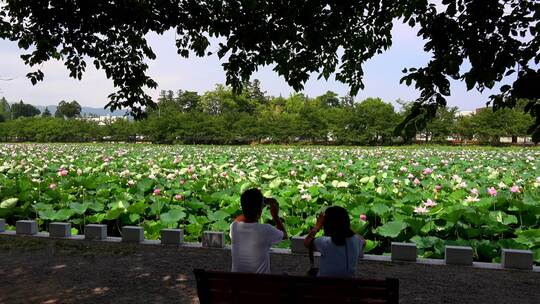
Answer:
(337, 225)
(252, 203)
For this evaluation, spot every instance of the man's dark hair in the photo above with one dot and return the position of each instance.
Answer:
(337, 225)
(252, 203)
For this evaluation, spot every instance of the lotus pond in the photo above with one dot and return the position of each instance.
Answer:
(483, 197)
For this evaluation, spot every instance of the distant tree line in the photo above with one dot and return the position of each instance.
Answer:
(221, 117)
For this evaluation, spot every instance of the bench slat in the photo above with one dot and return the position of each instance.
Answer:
(228, 287)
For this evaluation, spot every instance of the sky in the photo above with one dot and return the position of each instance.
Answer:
(172, 72)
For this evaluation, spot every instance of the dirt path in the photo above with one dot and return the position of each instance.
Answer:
(34, 270)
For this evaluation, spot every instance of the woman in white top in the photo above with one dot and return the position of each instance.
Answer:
(340, 247)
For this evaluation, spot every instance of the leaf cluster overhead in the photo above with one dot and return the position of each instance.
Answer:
(479, 42)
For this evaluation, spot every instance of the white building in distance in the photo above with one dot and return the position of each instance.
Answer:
(103, 120)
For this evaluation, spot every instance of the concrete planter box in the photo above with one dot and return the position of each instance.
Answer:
(517, 259)
(60, 229)
(2, 225)
(172, 236)
(458, 255)
(297, 245)
(26, 227)
(403, 252)
(95, 232)
(132, 234)
(213, 239)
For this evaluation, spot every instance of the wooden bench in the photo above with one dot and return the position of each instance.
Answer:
(229, 287)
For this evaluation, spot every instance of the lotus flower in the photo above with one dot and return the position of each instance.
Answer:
(474, 191)
(515, 189)
(427, 171)
(429, 203)
(157, 191)
(306, 197)
(178, 197)
(416, 181)
(131, 183)
(438, 188)
(492, 191)
(472, 199)
(52, 186)
(62, 172)
(363, 217)
(340, 174)
(292, 173)
(420, 210)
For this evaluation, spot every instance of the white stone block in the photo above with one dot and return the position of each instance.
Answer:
(517, 259)
(172, 236)
(458, 255)
(132, 234)
(2, 225)
(26, 227)
(403, 251)
(297, 245)
(59, 229)
(213, 239)
(95, 232)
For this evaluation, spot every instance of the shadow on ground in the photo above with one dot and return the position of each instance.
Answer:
(44, 270)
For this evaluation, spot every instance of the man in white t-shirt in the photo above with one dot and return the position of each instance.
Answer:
(251, 241)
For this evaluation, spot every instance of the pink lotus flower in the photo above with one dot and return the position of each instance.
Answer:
(190, 169)
(157, 191)
(515, 189)
(182, 181)
(474, 191)
(492, 191)
(429, 203)
(62, 172)
(363, 217)
(420, 210)
(427, 171)
(416, 181)
(438, 188)
(178, 197)
(52, 186)
(131, 183)
(340, 174)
